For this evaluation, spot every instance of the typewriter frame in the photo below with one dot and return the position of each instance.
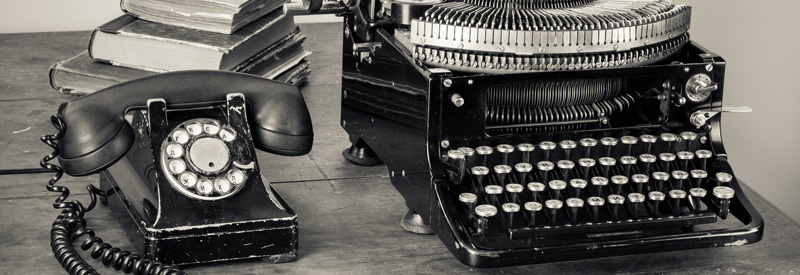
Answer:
(403, 111)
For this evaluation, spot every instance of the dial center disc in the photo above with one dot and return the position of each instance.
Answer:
(210, 155)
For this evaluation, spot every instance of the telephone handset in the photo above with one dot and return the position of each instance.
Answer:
(183, 167)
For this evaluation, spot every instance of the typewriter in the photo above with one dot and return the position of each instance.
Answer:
(529, 131)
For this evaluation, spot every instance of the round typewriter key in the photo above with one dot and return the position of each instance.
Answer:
(510, 209)
(607, 163)
(535, 188)
(514, 189)
(177, 166)
(660, 178)
(557, 186)
(688, 137)
(468, 152)
(615, 201)
(492, 193)
(227, 134)
(697, 194)
(627, 163)
(204, 187)
(532, 207)
(629, 141)
(698, 175)
(180, 136)
(547, 146)
(577, 185)
(724, 194)
(235, 176)
(587, 144)
(484, 212)
(679, 176)
(523, 170)
(667, 159)
(685, 157)
(545, 167)
(723, 177)
(480, 173)
(574, 205)
(211, 127)
(222, 186)
(595, 203)
(647, 160)
(526, 149)
(669, 137)
(188, 179)
(480, 170)
(619, 181)
(174, 150)
(639, 181)
(609, 142)
(469, 200)
(676, 196)
(656, 198)
(566, 167)
(586, 164)
(504, 150)
(635, 200)
(648, 140)
(455, 154)
(483, 154)
(552, 207)
(194, 128)
(599, 183)
(502, 173)
(567, 145)
(703, 155)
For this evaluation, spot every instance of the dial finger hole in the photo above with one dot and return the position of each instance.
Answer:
(174, 150)
(211, 127)
(227, 134)
(222, 186)
(236, 176)
(180, 136)
(194, 128)
(177, 166)
(205, 187)
(188, 179)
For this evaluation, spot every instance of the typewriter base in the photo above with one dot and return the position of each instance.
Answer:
(360, 154)
(414, 223)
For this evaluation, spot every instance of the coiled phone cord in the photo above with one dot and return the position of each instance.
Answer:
(70, 225)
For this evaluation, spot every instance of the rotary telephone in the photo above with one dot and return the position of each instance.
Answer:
(177, 165)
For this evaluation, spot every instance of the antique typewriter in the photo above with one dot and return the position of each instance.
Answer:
(528, 131)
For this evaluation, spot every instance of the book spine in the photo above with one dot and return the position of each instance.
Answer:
(111, 27)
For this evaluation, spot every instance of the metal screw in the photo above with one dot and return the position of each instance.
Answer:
(457, 100)
(665, 85)
(445, 143)
(470, 82)
(686, 69)
(709, 67)
(703, 140)
(344, 94)
(448, 82)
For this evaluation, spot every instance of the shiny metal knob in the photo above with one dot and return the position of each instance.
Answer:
(700, 117)
(467, 198)
(699, 87)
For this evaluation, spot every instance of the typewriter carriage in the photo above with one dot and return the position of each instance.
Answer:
(407, 113)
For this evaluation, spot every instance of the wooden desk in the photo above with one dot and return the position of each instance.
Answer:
(349, 216)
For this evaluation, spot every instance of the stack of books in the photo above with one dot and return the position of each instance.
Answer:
(154, 36)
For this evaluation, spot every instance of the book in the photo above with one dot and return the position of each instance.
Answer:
(131, 42)
(79, 75)
(222, 16)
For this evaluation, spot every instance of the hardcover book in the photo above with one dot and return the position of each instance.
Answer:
(135, 43)
(222, 16)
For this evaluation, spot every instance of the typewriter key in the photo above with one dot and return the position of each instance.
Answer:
(533, 208)
(504, 150)
(587, 165)
(469, 155)
(609, 142)
(615, 201)
(648, 141)
(483, 154)
(574, 205)
(688, 137)
(566, 167)
(698, 175)
(480, 173)
(493, 194)
(627, 163)
(502, 173)
(703, 155)
(697, 194)
(523, 170)
(545, 167)
(647, 160)
(619, 181)
(525, 149)
(510, 209)
(635, 200)
(513, 190)
(469, 200)
(536, 188)
(679, 176)
(629, 141)
(676, 196)
(660, 178)
(724, 194)
(723, 178)
(567, 146)
(599, 183)
(639, 181)
(685, 157)
(669, 138)
(577, 185)
(484, 212)
(656, 198)
(667, 159)
(595, 203)
(587, 144)
(607, 163)
(547, 146)
(556, 187)
(552, 209)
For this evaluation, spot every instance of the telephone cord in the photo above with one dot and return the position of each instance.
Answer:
(70, 225)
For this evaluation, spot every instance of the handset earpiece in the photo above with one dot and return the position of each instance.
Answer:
(97, 135)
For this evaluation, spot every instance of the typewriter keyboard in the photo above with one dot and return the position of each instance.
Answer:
(586, 185)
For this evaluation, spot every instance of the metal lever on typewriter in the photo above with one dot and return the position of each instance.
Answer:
(700, 117)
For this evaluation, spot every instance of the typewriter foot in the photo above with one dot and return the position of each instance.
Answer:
(360, 154)
(414, 223)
